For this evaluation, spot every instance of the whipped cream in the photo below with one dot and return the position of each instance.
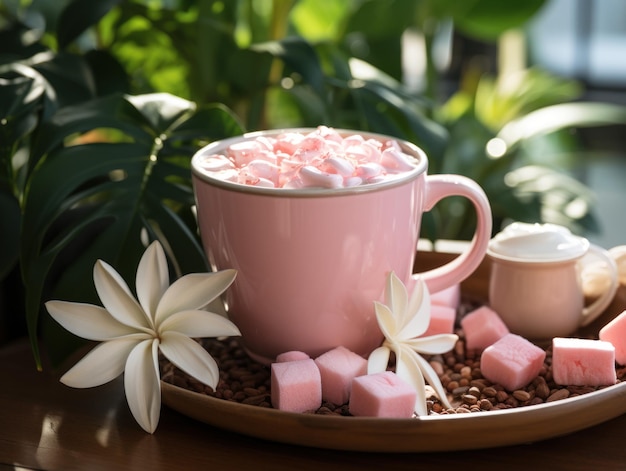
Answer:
(537, 242)
(322, 158)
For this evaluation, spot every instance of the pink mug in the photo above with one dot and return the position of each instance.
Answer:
(311, 262)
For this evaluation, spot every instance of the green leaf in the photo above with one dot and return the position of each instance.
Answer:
(25, 99)
(566, 115)
(80, 15)
(390, 110)
(137, 185)
(212, 121)
(376, 19)
(22, 88)
(499, 101)
(107, 112)
(387, 113)
(108, 74)
(9, 232)
(69, 76)
(564, 200)
(488, 19)
(300, 56)
(320, 24)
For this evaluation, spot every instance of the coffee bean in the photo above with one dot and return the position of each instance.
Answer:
(245, 381)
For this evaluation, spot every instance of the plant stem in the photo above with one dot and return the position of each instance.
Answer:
(277, 31)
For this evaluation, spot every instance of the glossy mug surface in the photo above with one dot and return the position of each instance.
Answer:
(311, 261)
(536, 284)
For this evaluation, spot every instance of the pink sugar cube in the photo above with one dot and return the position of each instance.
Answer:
(482, 327)
(615, 332)
(441, 320)
(293, 355)
(583, 362)
(338, 367)
(450, 297)
(296, 386)
(512, 362)
(382, 395)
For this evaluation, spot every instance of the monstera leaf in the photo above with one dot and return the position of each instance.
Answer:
(106, 176)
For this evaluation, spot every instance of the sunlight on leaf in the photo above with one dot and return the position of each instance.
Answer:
(552, 118)
(146, 198)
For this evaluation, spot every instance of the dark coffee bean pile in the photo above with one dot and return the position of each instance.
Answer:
(245, 381)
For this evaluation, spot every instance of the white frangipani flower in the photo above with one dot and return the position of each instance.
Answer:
(132, 331)
(402, 321)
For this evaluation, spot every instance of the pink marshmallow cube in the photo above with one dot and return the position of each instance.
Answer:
(338, 367)
(512, 362)
(293, 355)
(583, 362)
(615, 332)
(382, 395)
(441, 320)
(482, 327)
(450, 297)
(296, 386)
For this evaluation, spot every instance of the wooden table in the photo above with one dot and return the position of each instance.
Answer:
(46, 425)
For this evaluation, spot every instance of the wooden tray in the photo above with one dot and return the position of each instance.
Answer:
(424, 434)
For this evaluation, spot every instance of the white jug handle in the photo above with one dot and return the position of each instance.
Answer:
(593, 311)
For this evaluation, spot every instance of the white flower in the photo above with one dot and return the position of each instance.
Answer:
(132, 332)
(402, 321)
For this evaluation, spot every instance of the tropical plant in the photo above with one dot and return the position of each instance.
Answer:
(102, 103)
(87, 177)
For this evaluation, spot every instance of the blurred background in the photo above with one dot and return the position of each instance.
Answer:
(586, 40)
(103, 102)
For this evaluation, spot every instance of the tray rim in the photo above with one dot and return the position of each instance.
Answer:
(422, 434)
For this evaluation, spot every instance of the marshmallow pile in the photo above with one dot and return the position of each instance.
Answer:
(319, 159)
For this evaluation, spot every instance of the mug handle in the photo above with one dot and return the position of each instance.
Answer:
(593, 311)
(455, 271)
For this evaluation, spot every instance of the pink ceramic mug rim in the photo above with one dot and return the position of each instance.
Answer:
(421, 165)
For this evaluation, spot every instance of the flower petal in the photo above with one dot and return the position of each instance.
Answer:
(433, 344)
(117, 298)
(386, 320)
(433, 379)
(408, 369)
(396, 298)
(190, 357)
(87, 321)
(199, 324)
(142, 384)
(193, 291)
(417, 315)
(378, 360)
(102, 364)
(152, 278)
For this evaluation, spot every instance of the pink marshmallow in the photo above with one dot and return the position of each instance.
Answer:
(313, 177)
(245, 152)
(338, 367)
(512, 362)
(482, 327)
(615, 332)
(441, 320)
(382, 395)
(450, 297)
(293, 355)
(296, 386)
(216, 163)
(583, 362)
(321, 158)
(394, 158)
